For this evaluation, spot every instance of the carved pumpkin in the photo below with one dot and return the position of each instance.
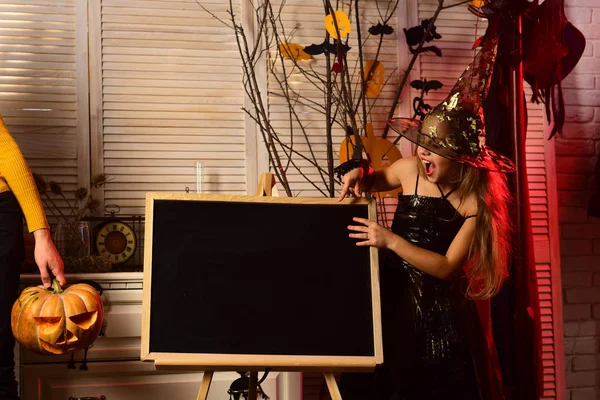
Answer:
(342, 21)
(56, 321)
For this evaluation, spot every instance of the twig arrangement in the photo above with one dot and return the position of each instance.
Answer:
(72, 240)
(344, 103)
(84, 199)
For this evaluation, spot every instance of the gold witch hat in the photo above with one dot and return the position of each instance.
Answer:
(455, 128)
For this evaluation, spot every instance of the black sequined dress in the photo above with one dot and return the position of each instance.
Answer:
(425, 320)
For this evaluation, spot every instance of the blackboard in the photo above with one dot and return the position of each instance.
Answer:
(251, 281)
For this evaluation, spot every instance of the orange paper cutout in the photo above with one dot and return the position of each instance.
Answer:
(376, 148)
(343, 24)
(293, 51)
(374, 85)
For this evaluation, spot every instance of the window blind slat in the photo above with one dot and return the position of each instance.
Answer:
(172, 96)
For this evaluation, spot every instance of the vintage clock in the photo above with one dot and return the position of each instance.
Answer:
(116, 241)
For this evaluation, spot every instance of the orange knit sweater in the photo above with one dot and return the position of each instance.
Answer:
(15, 175)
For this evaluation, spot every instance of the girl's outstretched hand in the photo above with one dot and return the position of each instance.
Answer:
(351, 180)
(371, 233)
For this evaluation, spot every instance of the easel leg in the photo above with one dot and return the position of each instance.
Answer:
(205, 385)
(334, 391)
(252, 385)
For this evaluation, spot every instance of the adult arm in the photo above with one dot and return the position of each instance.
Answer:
(18, 177)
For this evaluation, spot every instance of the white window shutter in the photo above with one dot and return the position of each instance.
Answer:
(39, 87)
(171, 95)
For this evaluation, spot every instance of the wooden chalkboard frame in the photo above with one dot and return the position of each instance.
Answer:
(229, 362)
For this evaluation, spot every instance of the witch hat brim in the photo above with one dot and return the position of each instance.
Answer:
(486, 159)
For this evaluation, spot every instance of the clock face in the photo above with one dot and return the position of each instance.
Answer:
(116, 242)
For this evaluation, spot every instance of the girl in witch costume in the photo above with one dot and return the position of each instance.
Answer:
(448, 246)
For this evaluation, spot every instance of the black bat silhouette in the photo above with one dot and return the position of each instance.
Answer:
(326, 47)
(426, 85)
(381, 29)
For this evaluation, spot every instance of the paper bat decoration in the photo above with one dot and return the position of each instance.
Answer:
(381, 29)
(326, 48)
(426, 85)
(419, 106)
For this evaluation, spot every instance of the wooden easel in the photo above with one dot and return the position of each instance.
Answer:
(266, 187)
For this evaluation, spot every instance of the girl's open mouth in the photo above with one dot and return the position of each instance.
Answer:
(429, 167)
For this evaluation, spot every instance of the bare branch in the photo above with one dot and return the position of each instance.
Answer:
(214, 16)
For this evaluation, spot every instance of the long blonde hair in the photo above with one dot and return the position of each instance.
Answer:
(490, 250)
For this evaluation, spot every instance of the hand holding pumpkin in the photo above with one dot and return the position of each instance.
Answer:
(47, 258)
(57, 321)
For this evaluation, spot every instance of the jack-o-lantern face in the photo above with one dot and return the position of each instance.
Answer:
(343, 24)
(374, 78)
(56, 322)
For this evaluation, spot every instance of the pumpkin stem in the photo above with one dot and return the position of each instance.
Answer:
(56, 286)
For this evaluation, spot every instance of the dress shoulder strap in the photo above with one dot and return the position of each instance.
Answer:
(417, 184)
(440, 189)
(449, 193)
(445, 196)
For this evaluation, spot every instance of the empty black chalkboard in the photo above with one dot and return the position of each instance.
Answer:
(235, 281)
